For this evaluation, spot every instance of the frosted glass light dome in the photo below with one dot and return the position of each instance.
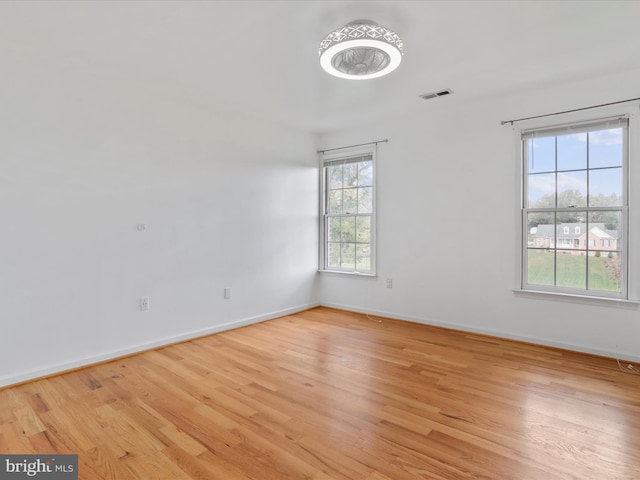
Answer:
(361, 50)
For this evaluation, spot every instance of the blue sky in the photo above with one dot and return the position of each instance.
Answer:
(575, 154)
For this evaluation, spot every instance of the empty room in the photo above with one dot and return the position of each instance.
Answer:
(327, 240)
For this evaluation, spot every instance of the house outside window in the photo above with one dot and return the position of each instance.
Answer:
(575, 208)
(348, 213)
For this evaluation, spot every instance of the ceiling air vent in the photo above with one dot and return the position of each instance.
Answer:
(441, 93)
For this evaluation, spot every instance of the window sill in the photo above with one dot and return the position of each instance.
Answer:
(584, 299)
(353, 274)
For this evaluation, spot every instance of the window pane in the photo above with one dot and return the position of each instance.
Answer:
(348, 253)
(365, 173)
(335, 176)
(571, 219)
(540, 267)
(605, 187)
(604, 271)
(350, 200)
(541, 190)
(605, 148)
(605, 228)
(365, 200)
(541, 154)
(350, 175)
(334, 229)
(363, 229)
(348, 229)
(572, 152)
(572, 189)
(571, 269)
(363, 258)
(571, 236)
(541, 230)
(334, 255)
(335, 201)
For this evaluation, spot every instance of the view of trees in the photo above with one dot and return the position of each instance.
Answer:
(567, 198)
(349, 209)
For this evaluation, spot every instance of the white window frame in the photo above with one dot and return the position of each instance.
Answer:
(630, 291)
(326, 158)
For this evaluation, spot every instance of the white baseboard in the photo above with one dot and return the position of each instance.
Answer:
(494, 333)
(115, 354)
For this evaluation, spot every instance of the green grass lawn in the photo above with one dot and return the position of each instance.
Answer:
(571, 271)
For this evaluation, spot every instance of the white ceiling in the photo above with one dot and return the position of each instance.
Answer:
(261, 56)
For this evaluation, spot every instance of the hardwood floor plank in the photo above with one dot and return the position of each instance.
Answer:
(193, 467)
(101, 462)
(329, 394)
(15, 439)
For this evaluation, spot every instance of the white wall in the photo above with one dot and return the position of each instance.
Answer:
(83, 163)
(449, 174)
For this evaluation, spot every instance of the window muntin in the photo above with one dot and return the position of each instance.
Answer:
(575, 209)
(348, 214)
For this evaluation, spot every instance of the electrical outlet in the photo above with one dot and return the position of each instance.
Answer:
(227, 293)
(144, 303)
(389, 282)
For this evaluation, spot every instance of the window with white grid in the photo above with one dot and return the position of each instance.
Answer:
(348, 213)
(575, 208)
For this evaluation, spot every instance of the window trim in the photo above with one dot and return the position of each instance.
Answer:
(324, 159)
(631, 192)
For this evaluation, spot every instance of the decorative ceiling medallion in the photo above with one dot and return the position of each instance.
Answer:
(361, 50)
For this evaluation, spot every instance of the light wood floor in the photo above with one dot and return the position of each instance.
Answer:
(327, 394)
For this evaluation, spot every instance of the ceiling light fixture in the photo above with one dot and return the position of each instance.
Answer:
(361, 50)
